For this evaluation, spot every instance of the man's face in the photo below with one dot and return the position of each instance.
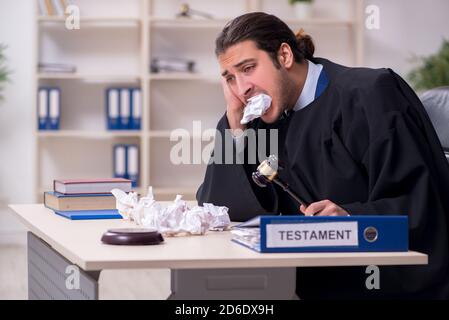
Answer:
(249, 71)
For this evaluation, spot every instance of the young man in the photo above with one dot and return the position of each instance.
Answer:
(352, 141)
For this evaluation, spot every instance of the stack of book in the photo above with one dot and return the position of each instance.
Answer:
(82, 199)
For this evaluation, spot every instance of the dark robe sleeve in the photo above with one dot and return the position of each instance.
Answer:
(229, 185)
(405, 165)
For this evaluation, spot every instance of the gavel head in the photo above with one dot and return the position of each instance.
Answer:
(266, 171)
(185, 9)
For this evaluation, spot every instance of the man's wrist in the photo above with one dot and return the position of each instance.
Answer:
(234, 124)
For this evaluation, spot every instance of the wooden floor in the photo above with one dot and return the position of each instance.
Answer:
(114, 284)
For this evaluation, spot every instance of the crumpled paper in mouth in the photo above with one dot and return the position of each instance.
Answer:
(256, 107)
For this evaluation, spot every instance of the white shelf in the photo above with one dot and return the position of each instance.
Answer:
(183, 76)
(89, 77)
(187, 23)
(94, 21)
(88, 134)
(319, 22)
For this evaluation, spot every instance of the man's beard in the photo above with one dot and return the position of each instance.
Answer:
(286, 91)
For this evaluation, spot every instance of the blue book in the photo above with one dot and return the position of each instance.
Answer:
(90, 214)
(323, 234)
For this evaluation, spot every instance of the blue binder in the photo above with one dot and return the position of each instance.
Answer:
(119, 160)
(132, 164)
(49, 108)
(136, 109)
(113, 108)
(90, 214)
(324, 234)
(125, 109)
(42, 108)
(123, 167)
(54, 105)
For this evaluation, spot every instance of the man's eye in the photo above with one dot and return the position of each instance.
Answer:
(229, 79)
(248, 69)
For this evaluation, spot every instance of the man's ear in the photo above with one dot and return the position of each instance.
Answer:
(285, 56)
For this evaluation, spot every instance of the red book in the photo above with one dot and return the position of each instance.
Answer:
(83, 186)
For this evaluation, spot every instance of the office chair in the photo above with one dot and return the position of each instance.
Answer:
(436, 103)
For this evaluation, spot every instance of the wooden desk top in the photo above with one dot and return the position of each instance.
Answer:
(79, 242)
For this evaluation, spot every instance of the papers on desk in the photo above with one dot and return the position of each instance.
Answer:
(174, 219)
(323, 234)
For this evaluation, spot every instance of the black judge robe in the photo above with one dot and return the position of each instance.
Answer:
(367, 144)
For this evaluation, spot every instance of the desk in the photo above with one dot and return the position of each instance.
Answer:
(78, 243)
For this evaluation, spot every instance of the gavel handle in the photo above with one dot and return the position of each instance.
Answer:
(286, 188)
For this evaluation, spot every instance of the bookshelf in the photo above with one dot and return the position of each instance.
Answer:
(114, 48)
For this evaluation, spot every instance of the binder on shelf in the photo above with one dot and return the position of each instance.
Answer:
(119, 161)
(49, 6)
(125, 108)
(59, 7)
(54, 108)
(133, 164)
(42, 8)
(323, 234)
(49, 108)
(136, 109)
(126, 162)
(42, 108)
(113, 108)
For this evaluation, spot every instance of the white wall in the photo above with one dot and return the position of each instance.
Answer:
(407, 27)
(16, 127)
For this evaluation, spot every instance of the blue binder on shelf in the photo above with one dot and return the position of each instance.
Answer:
(323, 234)
(54, 111)
(42, 108)
(125, 108)
(136, 109)
(89, 214)
(113, 108)
(49, 108)
(119, 161)
(132, 163)
(126, 162)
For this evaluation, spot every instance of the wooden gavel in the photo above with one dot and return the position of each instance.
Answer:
(267, 173)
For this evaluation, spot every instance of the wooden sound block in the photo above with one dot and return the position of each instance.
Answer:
(132, 237)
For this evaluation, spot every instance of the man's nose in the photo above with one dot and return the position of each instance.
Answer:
(244, 89)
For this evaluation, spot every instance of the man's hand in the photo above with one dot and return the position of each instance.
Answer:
(323, 208)
(234, 107)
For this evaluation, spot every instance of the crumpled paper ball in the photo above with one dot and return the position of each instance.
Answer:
(174, 219)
